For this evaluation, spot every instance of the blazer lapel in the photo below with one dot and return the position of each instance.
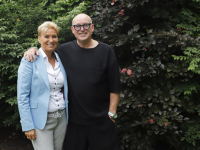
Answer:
(40, 64)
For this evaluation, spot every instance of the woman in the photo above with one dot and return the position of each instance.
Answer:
(42, 93)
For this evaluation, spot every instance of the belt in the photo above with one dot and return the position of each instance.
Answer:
(55, 114)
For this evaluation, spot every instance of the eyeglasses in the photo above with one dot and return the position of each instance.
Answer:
(85, 26)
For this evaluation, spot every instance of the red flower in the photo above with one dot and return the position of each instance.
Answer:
(123, 70)
(129, 72)
(166, 124)
(139, 106)
(151, 120)
(121, 13)
(179, 29)
(143, 48)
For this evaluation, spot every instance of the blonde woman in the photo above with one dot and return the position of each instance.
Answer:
(42, 93)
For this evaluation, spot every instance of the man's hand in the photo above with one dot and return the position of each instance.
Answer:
(111, 118)
(31, 135)
(114, 99)
(30, 54)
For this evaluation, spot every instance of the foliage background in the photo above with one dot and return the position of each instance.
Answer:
(157, 45)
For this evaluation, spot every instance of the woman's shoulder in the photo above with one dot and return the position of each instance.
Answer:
(26, 62)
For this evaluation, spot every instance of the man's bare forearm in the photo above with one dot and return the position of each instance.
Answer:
(114, 100)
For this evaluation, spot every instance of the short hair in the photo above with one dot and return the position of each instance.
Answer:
(47, 25)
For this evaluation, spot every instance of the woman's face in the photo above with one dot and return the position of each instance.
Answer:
(48, 40)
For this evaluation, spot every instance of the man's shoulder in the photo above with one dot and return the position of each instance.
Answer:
(64, 46)
(105, 47)
(67, 44)
(103, 44)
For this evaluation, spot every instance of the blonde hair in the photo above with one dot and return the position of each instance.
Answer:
(47, 25)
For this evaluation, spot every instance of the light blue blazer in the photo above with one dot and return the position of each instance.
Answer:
(33, 92)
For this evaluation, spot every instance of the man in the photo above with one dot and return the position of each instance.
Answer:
(94, 86)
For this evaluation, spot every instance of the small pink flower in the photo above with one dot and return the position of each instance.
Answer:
(121, 13)
(151, 120)
(113, 2)
(123, 70)
(129, 72)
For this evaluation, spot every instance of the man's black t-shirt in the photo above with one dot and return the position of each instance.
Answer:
(92, 75)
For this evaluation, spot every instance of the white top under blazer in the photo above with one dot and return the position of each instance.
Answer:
(56, 82)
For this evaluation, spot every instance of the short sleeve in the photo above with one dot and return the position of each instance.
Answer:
(113, 73)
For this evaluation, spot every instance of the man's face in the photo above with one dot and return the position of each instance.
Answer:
(84, 34)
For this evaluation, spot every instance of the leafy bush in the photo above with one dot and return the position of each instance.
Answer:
(159, 93)
(18, 32)
(156, 44)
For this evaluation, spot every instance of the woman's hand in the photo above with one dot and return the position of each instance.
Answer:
(31, 135)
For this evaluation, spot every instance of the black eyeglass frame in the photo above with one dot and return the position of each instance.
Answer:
(82, 26)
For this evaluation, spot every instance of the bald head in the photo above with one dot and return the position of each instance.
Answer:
(82, 28)
(81, 16)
